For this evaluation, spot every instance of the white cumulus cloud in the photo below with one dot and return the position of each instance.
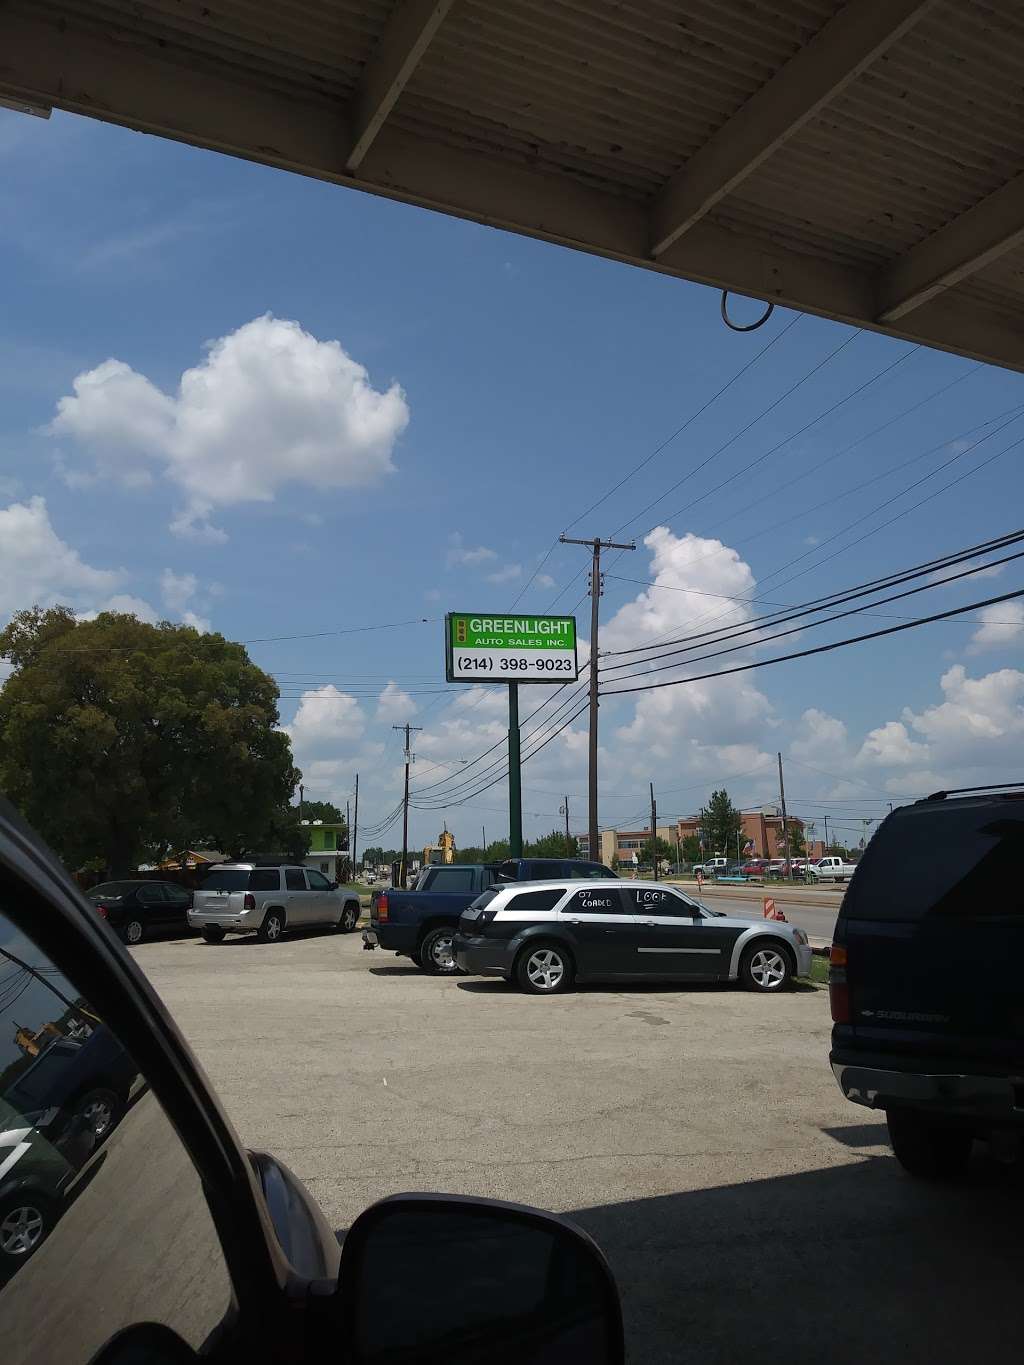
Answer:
(462, 555)
(1003, 622)
(38, 568)
(326, 719)
(268, 405)
(394, 704)
(508, 573)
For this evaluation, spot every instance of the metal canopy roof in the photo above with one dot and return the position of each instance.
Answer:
(863, 161)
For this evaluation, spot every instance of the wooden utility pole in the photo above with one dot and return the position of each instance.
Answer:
(596, 588)
(785, 836)
(405, 801)
(654, 836)
(302, 795)
(355, 829)
(568, 836)
(826, 833)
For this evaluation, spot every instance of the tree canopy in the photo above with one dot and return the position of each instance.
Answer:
(326, 811)
(721, 822)
(122, 741)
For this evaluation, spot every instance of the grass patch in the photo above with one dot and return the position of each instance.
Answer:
(819, 970)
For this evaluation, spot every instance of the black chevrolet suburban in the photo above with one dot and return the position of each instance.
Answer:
(927, 1004)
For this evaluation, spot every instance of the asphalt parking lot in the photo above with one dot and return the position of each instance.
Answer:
(747, 1210)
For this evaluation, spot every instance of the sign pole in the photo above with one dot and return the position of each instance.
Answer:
(515, 789)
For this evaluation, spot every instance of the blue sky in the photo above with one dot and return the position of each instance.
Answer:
(505, 386)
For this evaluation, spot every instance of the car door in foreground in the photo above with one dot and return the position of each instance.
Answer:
(605, 930)
(676, 938)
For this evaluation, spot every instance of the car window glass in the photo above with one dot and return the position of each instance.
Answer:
(535, 902)
(177, 894)
(265, 879)
(655, 900)
(149, 895)
(294, 879)
(453, 879)
(103, 1221)
(484, 898)
(545, 869)
(590, 870)
(604, 900)
(109, 891)
(226, 879)
(317, 880)
(936, 861)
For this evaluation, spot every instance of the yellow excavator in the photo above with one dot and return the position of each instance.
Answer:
(441, 852)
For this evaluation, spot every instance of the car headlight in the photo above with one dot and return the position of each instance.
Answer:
(801, 937)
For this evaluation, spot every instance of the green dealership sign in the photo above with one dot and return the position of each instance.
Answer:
(481, 647)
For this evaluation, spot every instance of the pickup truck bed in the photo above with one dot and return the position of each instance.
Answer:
(420, 923)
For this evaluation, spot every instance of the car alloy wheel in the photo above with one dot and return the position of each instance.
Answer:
(21, 1230)
(442, 952)
(133, 931)
(769, 969)
(272, 928)
(98, 1112)
(349, 918)
(545, 969)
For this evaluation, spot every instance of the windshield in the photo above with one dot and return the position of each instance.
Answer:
(227, 879)
(110, 891)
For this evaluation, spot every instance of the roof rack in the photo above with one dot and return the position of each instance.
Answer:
(963, 791)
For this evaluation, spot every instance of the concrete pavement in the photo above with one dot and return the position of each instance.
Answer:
(749, 1212)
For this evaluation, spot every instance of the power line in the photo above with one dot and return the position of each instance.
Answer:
(838, 616)
(840, 595)
(818, 649)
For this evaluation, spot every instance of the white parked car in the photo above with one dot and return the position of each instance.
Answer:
(831, 868)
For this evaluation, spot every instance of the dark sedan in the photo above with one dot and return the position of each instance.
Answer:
(139, 909)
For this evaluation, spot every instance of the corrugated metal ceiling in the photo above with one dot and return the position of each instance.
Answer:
(544, 115)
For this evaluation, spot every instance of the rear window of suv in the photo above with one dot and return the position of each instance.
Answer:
(941, 860)
(241, 879)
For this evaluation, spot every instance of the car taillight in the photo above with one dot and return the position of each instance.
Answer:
(838, 988)
(382, 907)
(249, 903)
(103, 912)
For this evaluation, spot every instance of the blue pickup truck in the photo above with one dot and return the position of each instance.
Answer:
(420, 923)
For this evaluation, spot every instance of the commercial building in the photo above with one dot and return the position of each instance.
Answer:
(760, 836)
(620, 845)
(328, 848)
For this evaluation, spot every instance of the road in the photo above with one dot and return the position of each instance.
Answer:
(749, 1212)
(812, 908)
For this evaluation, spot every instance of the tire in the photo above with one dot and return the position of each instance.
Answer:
(101, 1109)
(928, 1151)
(272, 927)
(133, 931)
(213, 933)
(766, 966)
(25, 1222)
(349, 918)
(436, 956)
(545, 969)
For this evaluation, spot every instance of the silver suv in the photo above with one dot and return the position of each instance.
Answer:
(245, 898)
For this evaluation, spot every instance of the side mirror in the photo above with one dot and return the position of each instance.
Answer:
(428, 1277)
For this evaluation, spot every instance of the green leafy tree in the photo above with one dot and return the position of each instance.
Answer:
(690, 847)
(550, 846)
(663, 851)
(122, 740)
(326, 811)
(721, 822)
(797, 843)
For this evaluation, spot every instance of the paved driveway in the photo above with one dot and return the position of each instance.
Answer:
(748, 1211)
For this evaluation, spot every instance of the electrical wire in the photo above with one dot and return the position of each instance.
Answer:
(818, 649)
(840, 595)
(757, 625)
